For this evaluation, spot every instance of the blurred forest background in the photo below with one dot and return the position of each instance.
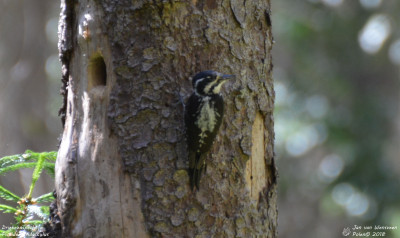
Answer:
(337, 117)
(30, 76)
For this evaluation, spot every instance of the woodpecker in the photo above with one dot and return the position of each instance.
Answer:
(203, 116)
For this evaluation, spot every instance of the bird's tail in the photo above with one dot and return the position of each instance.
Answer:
(195, 171)
(195, 175)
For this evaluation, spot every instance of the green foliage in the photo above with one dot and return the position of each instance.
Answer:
(48, 197)
(7, 195)
(7, 209)
(29, 215)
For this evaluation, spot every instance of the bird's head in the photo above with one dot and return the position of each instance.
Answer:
(209, 82)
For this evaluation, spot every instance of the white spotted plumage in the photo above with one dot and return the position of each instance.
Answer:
(207, 119)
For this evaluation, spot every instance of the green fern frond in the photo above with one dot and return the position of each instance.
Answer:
(12, 159)
(51, 156)
(49, 167)
(27, 160)
(48, 197)
(36, 173)
(50, 171)
(27, 208)
(7, 209)
(45, 210)
(7, 195)
(34, 222)
(14, 167)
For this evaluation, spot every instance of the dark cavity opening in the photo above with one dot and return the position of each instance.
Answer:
(97, 73)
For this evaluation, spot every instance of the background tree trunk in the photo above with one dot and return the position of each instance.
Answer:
(121, 168)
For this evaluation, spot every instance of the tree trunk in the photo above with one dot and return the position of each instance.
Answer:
(122, 165)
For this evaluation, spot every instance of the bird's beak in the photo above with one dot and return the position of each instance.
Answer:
(225, 77)
(228, 76)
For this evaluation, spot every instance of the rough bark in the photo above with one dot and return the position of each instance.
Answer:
(121, 170)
